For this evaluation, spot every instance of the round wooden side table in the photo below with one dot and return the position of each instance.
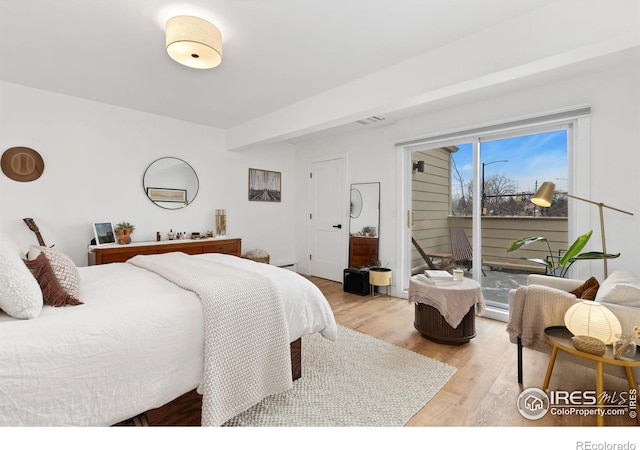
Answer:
(430, 322)
(560, 338)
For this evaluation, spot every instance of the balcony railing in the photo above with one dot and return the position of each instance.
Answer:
(497, 234)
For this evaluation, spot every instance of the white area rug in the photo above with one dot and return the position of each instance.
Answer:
(356, 381)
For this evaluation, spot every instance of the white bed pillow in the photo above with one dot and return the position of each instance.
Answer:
(63, 267)
(621, 287)
(20, 294)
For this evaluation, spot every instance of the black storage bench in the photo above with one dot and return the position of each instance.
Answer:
(356, 280)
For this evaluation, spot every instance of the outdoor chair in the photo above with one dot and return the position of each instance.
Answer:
(446, 265)
(461, 249)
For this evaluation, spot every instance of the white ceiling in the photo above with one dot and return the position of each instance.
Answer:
(277, 53)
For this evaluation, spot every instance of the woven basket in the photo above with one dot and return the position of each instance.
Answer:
(257, 256)
(258, 259)
(589, 345)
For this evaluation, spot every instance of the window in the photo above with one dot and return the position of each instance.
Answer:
(511, 170)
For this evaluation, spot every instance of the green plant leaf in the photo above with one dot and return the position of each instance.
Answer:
(575, 248)
(544, 262)
(123, 225)
(595, 255)
(519, 243)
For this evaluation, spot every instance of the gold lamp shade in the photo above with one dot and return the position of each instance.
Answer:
(544, 195)
(588, 318)
(194, 42)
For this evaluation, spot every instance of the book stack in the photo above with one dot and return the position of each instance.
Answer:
(437, 277)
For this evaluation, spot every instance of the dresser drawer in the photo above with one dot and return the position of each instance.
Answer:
(121, 253)
(361, 251)
(229, 248)
(188, 249)
(364, 242)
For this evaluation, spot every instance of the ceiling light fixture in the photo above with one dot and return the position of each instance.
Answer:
(194, 42)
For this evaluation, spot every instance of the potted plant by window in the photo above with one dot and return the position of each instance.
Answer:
(379, 276)
(559, 266)
(124, 230)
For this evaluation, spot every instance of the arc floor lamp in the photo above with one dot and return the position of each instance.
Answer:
(548, 190)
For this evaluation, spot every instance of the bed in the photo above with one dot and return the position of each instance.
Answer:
(139, 340)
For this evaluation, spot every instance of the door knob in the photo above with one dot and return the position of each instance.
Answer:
(337, 226)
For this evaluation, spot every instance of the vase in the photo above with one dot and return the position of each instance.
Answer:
(624, 348)
(221, 222)
(124, 236)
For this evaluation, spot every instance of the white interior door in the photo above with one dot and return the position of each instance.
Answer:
(328, 221)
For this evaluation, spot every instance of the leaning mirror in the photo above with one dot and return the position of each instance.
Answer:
(170, 183)
(364, 224)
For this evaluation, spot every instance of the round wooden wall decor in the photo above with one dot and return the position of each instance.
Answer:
(22, 164)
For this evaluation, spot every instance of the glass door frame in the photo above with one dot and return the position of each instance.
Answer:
(578, 129)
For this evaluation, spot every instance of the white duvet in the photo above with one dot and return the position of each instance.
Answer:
(134, 345)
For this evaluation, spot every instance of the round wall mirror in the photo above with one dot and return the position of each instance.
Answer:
(170, 183)
(356, 203)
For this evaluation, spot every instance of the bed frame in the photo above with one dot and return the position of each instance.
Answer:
(186, 410)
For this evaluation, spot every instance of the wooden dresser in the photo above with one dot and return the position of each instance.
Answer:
(363, 251)
(104, 254)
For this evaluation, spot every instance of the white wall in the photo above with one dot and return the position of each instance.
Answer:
(95, 156)
(613, 93)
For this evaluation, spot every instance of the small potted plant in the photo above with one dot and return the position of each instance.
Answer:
(124, 230)
(380, 276)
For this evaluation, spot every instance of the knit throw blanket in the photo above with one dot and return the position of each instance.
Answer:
(535, 308)
(246, 344)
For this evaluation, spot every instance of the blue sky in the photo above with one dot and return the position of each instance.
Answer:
(537, 157)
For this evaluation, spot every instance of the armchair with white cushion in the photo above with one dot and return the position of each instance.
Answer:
(545, 300)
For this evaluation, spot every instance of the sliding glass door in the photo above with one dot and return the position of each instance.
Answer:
(479, 189)
(511, 169)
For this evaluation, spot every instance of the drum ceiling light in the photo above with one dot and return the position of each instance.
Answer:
(194, 42)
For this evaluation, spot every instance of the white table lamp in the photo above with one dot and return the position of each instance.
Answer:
(588, 318)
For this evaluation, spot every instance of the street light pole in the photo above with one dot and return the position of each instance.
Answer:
(484, 195)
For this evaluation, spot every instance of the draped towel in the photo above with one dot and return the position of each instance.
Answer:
(453, 299)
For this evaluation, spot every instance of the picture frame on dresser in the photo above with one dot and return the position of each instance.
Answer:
(104, 233)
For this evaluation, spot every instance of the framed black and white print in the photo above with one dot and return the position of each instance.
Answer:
(265, 186)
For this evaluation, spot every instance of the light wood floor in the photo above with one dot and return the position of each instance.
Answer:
(484, 390)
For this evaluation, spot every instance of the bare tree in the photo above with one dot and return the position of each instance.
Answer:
(497, 190)
(500, 198)
(459, 205)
